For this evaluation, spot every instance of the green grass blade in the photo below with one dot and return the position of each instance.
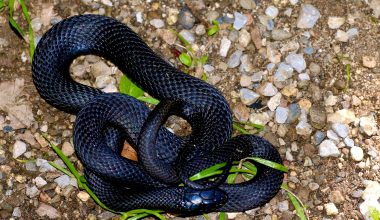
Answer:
(206, 216)
(300, 209)
(135, 212)
(222, 216)
(208, 172)
(2, 5)
(239, 129)
(126, 86)
(231, 178)
(269, 163)
(375, 214)
(185, 59)
(149, 100)
(63, 170)
(31, 37)
(12, 21)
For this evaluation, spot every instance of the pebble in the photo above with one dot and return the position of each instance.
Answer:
(107, 3)
(36, 24)
(357, 153)
(139, 17)
(331, 209)
(274, 101)
(313, 186)
(296, 61)
(331, 100)
(31, 191)
(368, 125)
(268, 89)
(104, 80)
(157, 23)
(260, 118)
(281, 114)
(240, 20)
(83, 196)
(234, 59)
(328, 149)
(247, 4)
(248, 97)
(352, 33)
(294, 113)
(100, 68)
(336, 197)
(225, 45)
(245, 80)
(271, 11)
(3, 43)
(314, 68)
(280, 34)
(19, 148)
(168, 36)
(186, 18)
(44, 165)
(246, 65)
(293, 2)
(335, 22)
(308, 50)
(188, 35)
(39, 181)
(16, 212)
(283, 72)
(200, 30)
(341, 129)
(283, 206)
(208, 68)
(244, 38)
(257, 77)
(318, 116)
(47, 210)
(288, 12)
(62, 181)
(349, 142)
(369, 62)
(303, 128)
(341, 36)
(333, 136)
(67, 148)
(344, 116)
(308, 16)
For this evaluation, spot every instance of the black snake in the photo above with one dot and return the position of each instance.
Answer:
(105, 121)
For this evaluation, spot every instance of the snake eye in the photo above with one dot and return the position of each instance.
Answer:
(203, 200)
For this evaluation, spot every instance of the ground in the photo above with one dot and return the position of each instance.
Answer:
(320, 181)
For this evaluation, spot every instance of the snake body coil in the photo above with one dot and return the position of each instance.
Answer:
(104, 121)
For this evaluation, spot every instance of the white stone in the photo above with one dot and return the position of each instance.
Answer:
(331, 209)
(39, 181)
(349, 142)
(63, 181)
(303, 128)
(357, 153)
(139, 17)
(19, 148)
(281, 114)
(225, 45)
(296, 61)
(107, 3)
(240, 20)
(328, 149)
(335, 22)
(341, 129)
(274, 101)
(67, 148)
(341, 36)
(308, 16)
(268, 89)
(271, 11)
(83, 196)
(157, 23)
(368, 125)
(248, 97)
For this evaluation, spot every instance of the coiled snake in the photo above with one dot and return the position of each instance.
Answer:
(105, 121)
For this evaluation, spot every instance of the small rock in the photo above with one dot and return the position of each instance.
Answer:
(19, 148)
(336, 197)
(244, 38)
(314, 68)
(283, 206)
(341, 36)
(271, 11)
(368, 125)
(241, 112)
(335, 22)
(248, 97)
(331, 100)
(283, 72)
(246, 64)
(318, 116)
(32, 191)
(63, 181)
(188, 35)
(303, 128)
(260, 118)
(281, 114)
(3, 43)
(157, 23)
(256, 37)
(280, 34)
(268, 89)
(343, 116)
(294, 113)
(16, 212)
(245, 80)
(186, 18)
(107, 3)
(357, 153)
(208, 68)
(308, 16)
(39, 181)
(67, 148)
(168, 36)
(349, 142)
(100, 68)
(83, 196)
(356, 101)
(274, 101)
(200, 30)
(331, 209)
(110, 88)
(313, 186)
(104, 80)
(139, 17)
(240, 20)
(328, 149)
(352, 33)
(375, 6)
(47, 210)
(257, 77)
(36, 24)
(224, 46)
(333, 136)
(247, 4)
(369, 61)
(234, 59)
(296, 61)
(341, 129)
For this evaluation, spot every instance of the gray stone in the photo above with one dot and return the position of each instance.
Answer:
(63, 181)
(67, 148)
(248, 97)
(16, 212)
(349, 142)
(44, 165)
(335, 22)
(341, 36)
(333, 136)
(100, 68)
(283, 72)
(257, 77)
(328, 149)
(341, 129)
(103, 81)
(19, 148)
(240, 20)
(247, 4)
(280, 34)
(200, 30)
(268, 90)
(274, 101)
(296, 61)
(308, 16)
(283, 206)
(244, 38)
(32, 191)
(281, 114)
(271, 11)
(234, 60)
(319, 136)
(186, 18)
(225, 45)
(188, 35)
(294, 113)
(368, 125)
(39, 181)
(157, 23)
(47, 210)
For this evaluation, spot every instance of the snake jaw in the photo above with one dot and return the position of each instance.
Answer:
(197, 201)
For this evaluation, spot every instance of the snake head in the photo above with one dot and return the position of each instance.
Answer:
(203, 201)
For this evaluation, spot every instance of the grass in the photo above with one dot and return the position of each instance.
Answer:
(244, 167)
(375, 214)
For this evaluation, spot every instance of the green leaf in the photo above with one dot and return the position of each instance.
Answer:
(149, 100)
(375, 214)
(126, 86)
(185, 59)
(2, 5)
(31, 37)
(204, 76)
(213, 30)
(222, 216)
(237, 127)
(300, 209)
(204, 59)
(269, 163)
(12, 21)
(211, 171)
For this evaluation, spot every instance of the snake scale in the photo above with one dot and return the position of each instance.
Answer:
(105, 121)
